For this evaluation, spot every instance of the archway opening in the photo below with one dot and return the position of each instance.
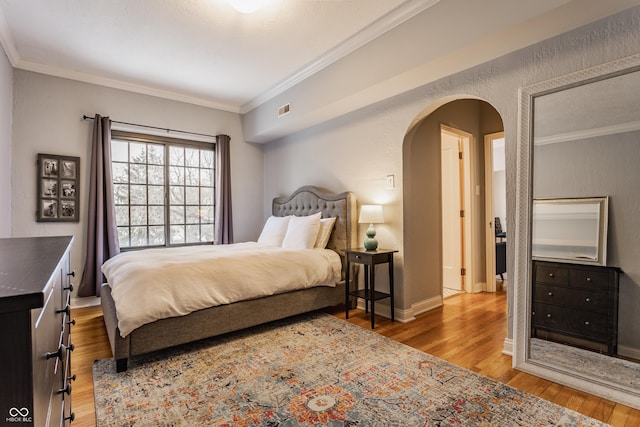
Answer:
(423, 198)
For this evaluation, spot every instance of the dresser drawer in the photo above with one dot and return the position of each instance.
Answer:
(590, 279)
(552, 274)
(583, 324)
(547, 316)
(593, 326)
(579, 299)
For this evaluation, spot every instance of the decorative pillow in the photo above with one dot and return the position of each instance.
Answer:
(274, 230)
(302, 232)
(326, 227)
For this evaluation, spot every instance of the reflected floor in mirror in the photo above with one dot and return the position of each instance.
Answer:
(600, 367)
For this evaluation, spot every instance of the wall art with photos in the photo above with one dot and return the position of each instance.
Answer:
(58, 188)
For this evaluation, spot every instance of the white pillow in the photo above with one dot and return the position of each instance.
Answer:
(326, 227)
(274, 230)
(302, 232)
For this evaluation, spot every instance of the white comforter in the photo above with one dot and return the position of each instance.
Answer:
(154, 284)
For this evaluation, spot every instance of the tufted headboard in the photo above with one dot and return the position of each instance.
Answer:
(309, 200)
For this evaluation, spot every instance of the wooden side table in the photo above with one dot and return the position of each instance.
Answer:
(369, 259)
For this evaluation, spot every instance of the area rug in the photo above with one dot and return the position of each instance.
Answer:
(312, 370)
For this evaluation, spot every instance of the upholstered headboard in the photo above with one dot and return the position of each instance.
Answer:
(309, 200)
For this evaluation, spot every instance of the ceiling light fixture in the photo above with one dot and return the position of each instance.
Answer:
(246, 6)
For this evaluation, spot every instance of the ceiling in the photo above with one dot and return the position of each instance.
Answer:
(200, 51)
(206, 53)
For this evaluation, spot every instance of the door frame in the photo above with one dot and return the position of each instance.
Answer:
(490, 235)
(468, 280)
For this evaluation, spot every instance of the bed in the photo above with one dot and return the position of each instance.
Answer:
(220, 319)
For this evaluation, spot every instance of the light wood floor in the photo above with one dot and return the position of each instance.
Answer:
(468, 330)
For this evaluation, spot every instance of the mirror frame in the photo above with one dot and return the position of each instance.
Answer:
(524, 207)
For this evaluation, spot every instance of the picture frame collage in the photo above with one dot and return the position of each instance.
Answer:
(58, 188)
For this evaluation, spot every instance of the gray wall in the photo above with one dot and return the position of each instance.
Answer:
(47, 119)
(605, 166)
(356, 151)
(6, 101)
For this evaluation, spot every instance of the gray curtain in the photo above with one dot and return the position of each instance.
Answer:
(102, 235)
(223, 220)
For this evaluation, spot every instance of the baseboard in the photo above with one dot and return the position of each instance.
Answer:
(631, 352)
(77, 302)
(479, 287)
(404, 315)
(507, 347)
(426, 305)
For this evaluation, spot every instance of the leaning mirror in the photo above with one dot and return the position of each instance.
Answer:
(570, 230)
(577, 288)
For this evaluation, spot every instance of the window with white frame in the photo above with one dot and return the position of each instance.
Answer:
(163, 190)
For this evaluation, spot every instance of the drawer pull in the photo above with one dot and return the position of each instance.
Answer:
(548, 315)
(551, 275)
(69, 288)
(66, 310)
(587, 323)
(588, 279)
(71, 417)
(72, 322)
(550, 294)
(587, 299)
(72, 274)
(67, 390)
(357, 256)
(51, 355)
(71, 378)
(71, 347)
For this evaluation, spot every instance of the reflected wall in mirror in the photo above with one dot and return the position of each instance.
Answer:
(580, 137)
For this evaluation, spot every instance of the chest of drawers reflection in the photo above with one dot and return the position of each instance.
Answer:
(576, 304)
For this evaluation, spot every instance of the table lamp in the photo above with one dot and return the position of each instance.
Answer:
(371, 214)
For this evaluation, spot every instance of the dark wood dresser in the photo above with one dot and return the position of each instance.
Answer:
(576, 301)
(35, 292)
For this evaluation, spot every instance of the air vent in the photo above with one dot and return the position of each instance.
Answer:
(284, 110)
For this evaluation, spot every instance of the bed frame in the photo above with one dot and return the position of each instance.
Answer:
(222, 319)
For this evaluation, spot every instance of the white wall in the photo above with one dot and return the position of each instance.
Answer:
(6, 101)
(47, 119)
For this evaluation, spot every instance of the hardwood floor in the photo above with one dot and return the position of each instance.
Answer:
(468, 330)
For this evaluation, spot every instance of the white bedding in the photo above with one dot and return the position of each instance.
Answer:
(153, 284)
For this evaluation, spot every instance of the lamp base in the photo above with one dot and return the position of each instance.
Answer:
(370, 243)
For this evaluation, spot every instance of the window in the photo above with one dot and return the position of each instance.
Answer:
(163, 190)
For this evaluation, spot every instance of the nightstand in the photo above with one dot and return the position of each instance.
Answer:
(369, 259)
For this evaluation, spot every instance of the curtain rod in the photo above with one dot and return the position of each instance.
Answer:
(85, 117)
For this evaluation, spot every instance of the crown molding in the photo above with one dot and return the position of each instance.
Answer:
(396, 17)
(122, 85)
(581, 135)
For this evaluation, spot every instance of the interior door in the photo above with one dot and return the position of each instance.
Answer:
(452, 220)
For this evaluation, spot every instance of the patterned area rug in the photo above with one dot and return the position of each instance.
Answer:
(311, 370)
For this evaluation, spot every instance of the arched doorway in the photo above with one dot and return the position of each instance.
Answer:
(422, 177)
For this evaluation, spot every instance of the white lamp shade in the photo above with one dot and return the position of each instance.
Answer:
(371, 214)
